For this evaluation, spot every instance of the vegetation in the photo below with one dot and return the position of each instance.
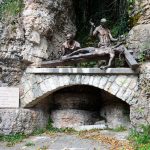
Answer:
(12, 139)
(10, 8)
(145, 51)
(43, 148)
(141, 140)
(116, 12)
(119, 129)
(51, 129)
(30, 144)
(18, 137)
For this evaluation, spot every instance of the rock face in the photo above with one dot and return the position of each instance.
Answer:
(141, 116)
(142, 9)
(21, 120)
(139, 40)
(45, 24)
(139, 36)
(36, 35)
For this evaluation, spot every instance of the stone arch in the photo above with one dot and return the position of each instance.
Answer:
(37, 87)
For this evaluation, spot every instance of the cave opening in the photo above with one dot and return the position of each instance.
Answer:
(116, 12)
(86, 106)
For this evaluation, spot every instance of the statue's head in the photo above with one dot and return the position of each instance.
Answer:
(103, 22)
(70, 37)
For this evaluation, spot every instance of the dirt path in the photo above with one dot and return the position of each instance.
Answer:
(92, 140)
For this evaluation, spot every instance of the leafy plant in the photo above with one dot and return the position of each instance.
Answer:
(50, 128)
(142, 57)
(12, 139)
(10, 8)
(141, 140)
(38, 131)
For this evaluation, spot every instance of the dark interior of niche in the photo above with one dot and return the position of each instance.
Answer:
(92, 99)
(116, 12)
(88, 99)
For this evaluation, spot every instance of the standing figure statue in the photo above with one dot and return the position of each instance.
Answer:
(104, 46)
(70, 45)
(103, 33)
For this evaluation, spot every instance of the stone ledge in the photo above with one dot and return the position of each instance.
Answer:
(114, 71)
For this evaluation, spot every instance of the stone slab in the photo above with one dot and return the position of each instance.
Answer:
(109, 71)
(9, 97)
(90, 127)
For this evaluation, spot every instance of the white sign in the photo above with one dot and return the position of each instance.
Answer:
(9, 97)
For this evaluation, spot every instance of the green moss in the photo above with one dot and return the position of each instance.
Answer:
(133, 20)
(10, 8)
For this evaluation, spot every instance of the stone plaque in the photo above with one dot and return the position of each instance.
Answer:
(9, 97)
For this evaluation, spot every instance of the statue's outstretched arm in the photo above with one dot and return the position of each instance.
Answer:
(92, 28)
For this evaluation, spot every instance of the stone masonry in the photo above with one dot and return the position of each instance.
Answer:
(35, 87)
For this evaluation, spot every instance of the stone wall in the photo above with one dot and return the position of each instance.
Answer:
(73, 118)
(86, 105)
(142, 108)
(22, 120)
(37, 87)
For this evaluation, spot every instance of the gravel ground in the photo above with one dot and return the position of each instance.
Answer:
(56, 142)
(62, 141)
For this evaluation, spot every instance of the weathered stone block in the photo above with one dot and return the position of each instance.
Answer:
(72, 118)
(96, 81)
(103, 82)
(114, 89)
(120, 80)
(116, 115)
(22, 120)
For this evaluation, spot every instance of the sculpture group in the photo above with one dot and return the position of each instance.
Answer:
(71, 50)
